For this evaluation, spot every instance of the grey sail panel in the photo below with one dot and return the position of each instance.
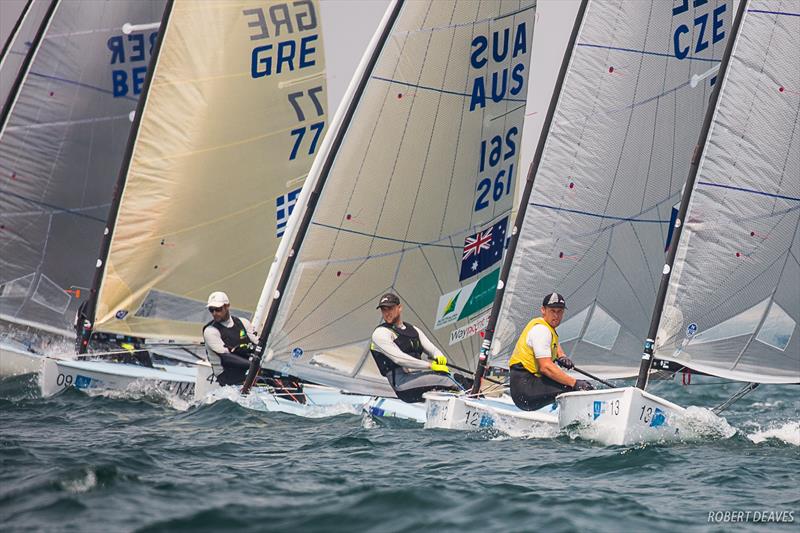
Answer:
(409, 204)
(596, 227)
(11, 62)
(60, 154)
(733, 301)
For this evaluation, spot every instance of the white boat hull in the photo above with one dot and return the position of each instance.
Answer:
(320, 400)
(58, 375)
(618, 416)
(16, 360)
(452, 411)
(393, 408)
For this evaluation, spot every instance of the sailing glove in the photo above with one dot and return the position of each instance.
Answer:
(582, 384)
(439, 364)
(565, 362)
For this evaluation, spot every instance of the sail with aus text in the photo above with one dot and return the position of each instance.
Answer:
(415, 195)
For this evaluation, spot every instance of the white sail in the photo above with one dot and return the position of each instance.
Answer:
(733, 300)
(60, 150)
(426, 168)
(617, 153)
(18, 41)
(234, 114)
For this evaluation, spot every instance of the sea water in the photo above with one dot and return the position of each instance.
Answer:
(140, 461)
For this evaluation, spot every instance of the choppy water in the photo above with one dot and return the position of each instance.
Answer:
(127, 463)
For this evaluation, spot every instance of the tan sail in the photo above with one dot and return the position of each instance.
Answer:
(234, 114)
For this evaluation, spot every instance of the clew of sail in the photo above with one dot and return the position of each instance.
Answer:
(61, 145)
(618, 149)
(415, 195)
(732, 304)
(234, 113)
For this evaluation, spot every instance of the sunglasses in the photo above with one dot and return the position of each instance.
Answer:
(215, 309)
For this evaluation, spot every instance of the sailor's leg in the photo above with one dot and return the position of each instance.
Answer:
(531, 393)
(410, 386)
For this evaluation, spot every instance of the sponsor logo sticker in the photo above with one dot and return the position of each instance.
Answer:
(598, 409)
(466, 301)
(476, 326)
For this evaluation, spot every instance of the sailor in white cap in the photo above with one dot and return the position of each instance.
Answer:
(230, 341)
(536, 378)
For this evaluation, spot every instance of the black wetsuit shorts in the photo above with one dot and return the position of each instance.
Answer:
(531, 392)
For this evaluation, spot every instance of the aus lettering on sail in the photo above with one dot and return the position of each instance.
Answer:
(707, 21)
(499, 60)
(282, 21)
(130, 54)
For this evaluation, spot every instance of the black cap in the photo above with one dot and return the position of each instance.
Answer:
(554, 300)
(388, 300)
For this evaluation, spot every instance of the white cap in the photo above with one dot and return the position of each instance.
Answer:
(218, 299)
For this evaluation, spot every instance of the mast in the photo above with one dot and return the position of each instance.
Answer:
(26, 64)
(84, 322)
(483, 357)
(319, 184)
(649, 344)
(15, 30)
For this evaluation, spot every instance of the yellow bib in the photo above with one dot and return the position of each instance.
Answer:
(524, 354)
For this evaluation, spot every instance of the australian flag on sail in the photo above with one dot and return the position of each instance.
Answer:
(483, 249)
(284, 206)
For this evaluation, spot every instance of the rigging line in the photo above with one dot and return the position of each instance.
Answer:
(783, 13)
(626, 138)
(341, 316)
(443, 91)
(646, 52)
(430, 138)
(600, 215)
(751, 191)
(507, 113)
(613, 261)
(54, 209)
(79, 84)
(290, 315)
(461, 117)
(380, 237)
(465, 24)
(355, 183)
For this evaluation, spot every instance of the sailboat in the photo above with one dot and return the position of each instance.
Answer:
(421, 161)
(595, 214)
(217, 158)
(728, 302)
(69, 85)
(232, 112)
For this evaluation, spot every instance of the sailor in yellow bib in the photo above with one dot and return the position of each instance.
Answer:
(536, 378)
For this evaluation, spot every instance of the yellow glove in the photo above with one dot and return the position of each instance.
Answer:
(439, 364)
(127, 346)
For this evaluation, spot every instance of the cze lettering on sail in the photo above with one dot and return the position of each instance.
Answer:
(131, 53)
(708, 28)
(488, 56)
(282, 20)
